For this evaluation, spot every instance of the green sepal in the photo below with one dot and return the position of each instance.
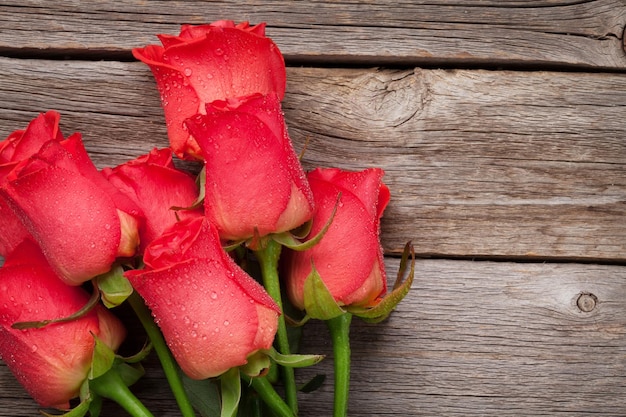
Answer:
(139, 356)
(303, 230)
(130, 373)
(101, 360)
(231, 392)
(400, 289)
(232, 246)
(296, 323)
(319, 303)
(293, 360)
(79, 411)
(201, 183)
(258, 364)
(95, 405)
(91, 303)
(292, 241)
(114, 287)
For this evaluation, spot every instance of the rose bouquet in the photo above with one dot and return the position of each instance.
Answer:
(203, 260)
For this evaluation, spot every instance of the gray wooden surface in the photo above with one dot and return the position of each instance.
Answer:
(501, 126)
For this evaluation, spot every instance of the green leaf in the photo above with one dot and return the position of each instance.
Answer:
(313, 384)
(114, 287)
(102, 359)
(400, 289)
(203, 394)
(319, 303)
(293, 360)
(231, 392)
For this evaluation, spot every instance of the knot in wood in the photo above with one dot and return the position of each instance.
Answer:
(586, 302)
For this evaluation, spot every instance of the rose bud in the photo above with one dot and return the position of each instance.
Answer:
(212, 314)
(349, 257)
(156, 186)
(18, 146)
(210, 62)
(51, 362)
(255, 184)
(81, 222)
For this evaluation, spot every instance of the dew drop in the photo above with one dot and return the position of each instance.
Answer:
(213, 295)
(226, 322)
(187, 72)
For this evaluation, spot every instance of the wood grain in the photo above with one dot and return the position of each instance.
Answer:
(584, 34)
(480, 163)
(470, 339)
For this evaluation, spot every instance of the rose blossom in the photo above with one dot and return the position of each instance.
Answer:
(212, 314)
(349, 258)
(81, 222)
(254, 181)
(18, 146)
(155, 185)
(210, 62)
(53, 361)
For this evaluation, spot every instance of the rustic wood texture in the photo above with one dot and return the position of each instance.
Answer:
(572, 33)
(471, 339)
(506, 144)
(480, 163)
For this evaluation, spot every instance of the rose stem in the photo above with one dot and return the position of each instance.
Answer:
(165, 356)
(268, 258)
(110, 385)
(269, 396)
(340, 334)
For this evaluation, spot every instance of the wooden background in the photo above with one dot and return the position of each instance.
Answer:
(502, 128)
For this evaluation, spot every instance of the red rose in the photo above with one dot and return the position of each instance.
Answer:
(155, 185)
(212, 314)
(53, 361)
(254, 180)
(18, 146)
(349, 258)
(81, 222)
(210, 62)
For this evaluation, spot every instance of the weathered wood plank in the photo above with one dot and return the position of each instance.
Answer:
(471, 339)
(562, 32)
(479, 163)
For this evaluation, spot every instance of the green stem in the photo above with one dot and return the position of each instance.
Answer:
(111, 386)
(269, 395)
(165, 356)
(340, 334)
(268, 258)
